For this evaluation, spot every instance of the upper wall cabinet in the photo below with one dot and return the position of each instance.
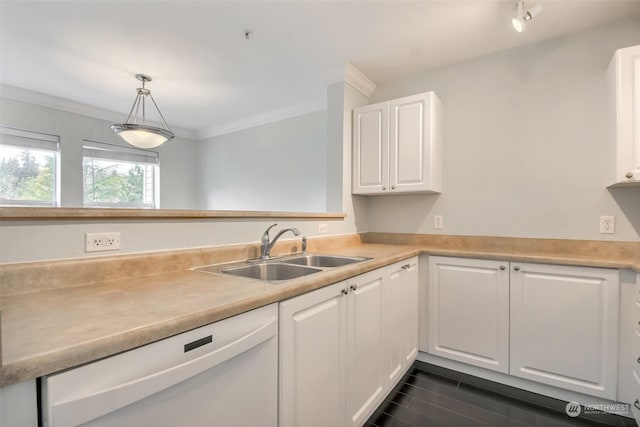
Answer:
(397, 146)
(623, 78)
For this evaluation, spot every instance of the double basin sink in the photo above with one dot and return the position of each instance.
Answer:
(285, 268)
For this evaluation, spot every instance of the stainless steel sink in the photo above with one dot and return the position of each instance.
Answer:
(271, 272)
(324, 261)
(285, 268)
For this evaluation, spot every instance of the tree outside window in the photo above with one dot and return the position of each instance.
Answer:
(28, 168)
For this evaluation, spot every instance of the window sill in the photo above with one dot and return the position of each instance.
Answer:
(45, 214)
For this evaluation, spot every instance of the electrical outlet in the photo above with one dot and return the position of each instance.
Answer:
(322, 228)
(438, 223)
(97, 242)
(607, 224)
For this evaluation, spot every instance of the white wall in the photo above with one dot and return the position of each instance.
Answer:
(21, 241)
(177, 175)
(526, 152)
(280, 166)
(525, 155)
(342, 98)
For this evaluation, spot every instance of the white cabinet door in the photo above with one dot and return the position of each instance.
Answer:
(414, 144)
(624, 82)
(564, 327)
(397, 146)
(468, 304)
(371, 149)
(402, 323)
(636, 335)
(312, 358)
(365, 345)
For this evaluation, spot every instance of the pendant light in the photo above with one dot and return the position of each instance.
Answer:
(137, 132)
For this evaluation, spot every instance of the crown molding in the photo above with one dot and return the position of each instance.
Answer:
(358, 80)
(63, 104)
(314, 105)
(350, 74)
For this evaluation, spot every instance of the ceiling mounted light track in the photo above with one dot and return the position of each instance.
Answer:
(523, 16)
(135, 130)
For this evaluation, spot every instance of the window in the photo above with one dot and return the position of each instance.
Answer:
(29, 168)
(119, 177)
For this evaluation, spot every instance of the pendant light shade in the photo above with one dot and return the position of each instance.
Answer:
(135, 130)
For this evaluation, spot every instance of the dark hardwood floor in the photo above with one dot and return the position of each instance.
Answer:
(432, 396)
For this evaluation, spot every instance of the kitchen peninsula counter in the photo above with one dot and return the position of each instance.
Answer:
(61, 314)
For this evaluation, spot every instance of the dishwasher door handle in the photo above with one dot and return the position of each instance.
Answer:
(88, 407)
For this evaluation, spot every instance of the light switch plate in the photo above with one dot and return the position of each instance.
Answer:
(438, 222)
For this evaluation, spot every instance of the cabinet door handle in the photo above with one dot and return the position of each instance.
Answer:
(502, 267)
(629, 175)
(354, 287)
(638, 360)
(393, 187)
(636, 404)
(516, 268)
(345, 291)
(384, 188)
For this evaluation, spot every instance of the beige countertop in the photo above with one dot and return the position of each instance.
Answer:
(50, 330)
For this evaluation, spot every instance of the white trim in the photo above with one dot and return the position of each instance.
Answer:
(355, 78)
(63, 104)
(350, 74)
(106, 151)
(314, 105)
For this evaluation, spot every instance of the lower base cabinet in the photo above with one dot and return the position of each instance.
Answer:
(313, 358)
(564, 327)
(635, 373)
(365, 339)
(341, 345)
(468, 311)
(553, 324)
(403, 322)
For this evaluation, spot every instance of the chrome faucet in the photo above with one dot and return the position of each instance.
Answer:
(266, 245)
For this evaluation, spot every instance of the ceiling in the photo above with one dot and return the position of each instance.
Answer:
(208, 78)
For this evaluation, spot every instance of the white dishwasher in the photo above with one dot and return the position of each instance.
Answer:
(224, 374)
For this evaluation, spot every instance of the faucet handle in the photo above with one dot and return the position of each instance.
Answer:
(304, 244)
(266, 232)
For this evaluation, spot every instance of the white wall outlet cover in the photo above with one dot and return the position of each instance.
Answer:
(607, 224)
(322, 228)
(98, 242)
